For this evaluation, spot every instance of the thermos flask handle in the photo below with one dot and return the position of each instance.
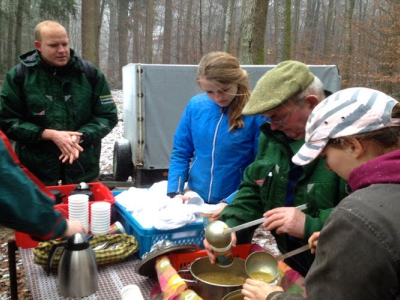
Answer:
(51, 256)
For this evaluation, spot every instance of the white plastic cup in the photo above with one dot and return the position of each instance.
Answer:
(78, 198)
(131, 292)
(101, 206)
(100, 217)
(78, 209)
(194, 198)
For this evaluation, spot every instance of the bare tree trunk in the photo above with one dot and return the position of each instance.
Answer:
(166, 56)
(10, 34)
(136, 15)
(201, 29)
(276, 26)
(18, 29)
(186, 32)
(112, 59)
(348, 42)
(260, 24)
(308, 23)
(89, 30)
(246, 38)
(287, 30)
(328, 28)
(240, 32)
(280, 27)
(296, 22)
(314, 26)
(123, 6)
(3, 35)
(228, 25)
(254, 19)
(99, 20)
(148, 51)
(210, 18)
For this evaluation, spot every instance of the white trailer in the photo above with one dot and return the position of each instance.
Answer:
(155, 97)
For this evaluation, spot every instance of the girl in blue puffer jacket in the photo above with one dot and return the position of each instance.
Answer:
(214, 142)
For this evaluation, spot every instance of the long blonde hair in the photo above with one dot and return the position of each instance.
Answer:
(222, 68)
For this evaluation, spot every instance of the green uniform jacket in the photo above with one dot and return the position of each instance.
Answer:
(62, 99)
(264, 188)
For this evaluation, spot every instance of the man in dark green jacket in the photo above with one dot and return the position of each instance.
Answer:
(273, 186)
(56, 114)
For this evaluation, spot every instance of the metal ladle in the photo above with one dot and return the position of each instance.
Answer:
(263, 266)
(217, 233)
(255, 222)
(214, 234)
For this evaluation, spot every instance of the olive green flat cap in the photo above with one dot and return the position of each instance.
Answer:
(277, 86)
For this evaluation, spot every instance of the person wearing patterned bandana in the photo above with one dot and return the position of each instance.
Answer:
(357, 132)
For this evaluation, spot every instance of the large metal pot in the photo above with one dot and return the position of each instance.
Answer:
(209, 290)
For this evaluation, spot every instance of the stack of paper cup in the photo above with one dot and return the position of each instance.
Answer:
(78, 209)
(100, 220)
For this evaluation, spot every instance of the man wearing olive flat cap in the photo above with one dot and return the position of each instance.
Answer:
(273, 186)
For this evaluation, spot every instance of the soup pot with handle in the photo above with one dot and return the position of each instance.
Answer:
(206, 288)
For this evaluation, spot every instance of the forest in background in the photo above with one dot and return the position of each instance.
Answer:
(361, 37)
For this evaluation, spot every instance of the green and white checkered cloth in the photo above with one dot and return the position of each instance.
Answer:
(129, 245)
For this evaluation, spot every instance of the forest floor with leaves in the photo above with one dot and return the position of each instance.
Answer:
(24, 292)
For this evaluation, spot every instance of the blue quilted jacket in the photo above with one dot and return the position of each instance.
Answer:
(207, 156)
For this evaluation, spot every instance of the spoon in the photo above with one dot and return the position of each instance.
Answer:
(255, 222)
(101, 246)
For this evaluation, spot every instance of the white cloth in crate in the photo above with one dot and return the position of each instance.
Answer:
(153, 208)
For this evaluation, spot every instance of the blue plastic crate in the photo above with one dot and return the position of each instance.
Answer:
(191, 234)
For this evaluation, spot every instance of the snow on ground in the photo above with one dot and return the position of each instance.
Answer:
(107, 143)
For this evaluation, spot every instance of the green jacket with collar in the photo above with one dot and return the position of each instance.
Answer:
(264, 188)
(59, 98)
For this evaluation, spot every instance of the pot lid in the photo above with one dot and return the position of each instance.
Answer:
(146, 267)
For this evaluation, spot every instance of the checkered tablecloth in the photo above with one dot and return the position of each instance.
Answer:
(111, 279)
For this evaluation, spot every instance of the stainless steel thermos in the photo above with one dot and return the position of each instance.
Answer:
(77, 268)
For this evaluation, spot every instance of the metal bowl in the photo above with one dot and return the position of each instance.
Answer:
(214, 234)
(262, 262)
